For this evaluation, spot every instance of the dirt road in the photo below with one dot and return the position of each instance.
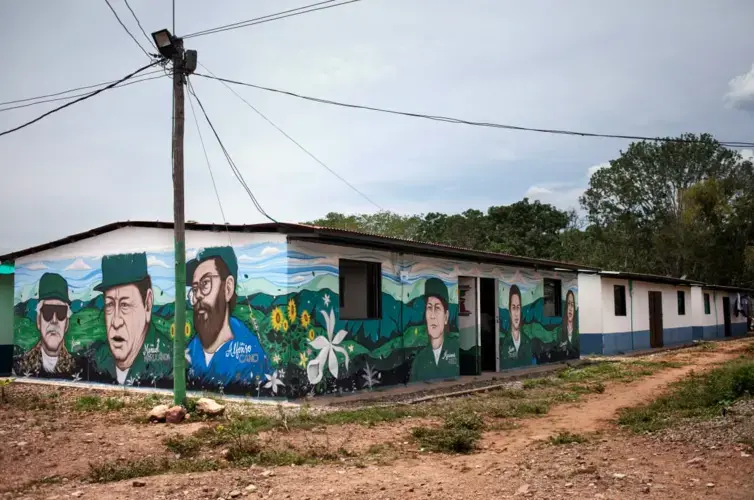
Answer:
(513, 463)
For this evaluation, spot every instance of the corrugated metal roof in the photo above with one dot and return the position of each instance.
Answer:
(323, 235)
(650, 278)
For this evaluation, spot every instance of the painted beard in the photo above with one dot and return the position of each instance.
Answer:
(209, 327)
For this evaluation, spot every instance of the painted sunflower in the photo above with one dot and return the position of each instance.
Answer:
(312, 334)
(277, 319)
(302, 360)
(285, 325)
(305, 319)
(291, 311)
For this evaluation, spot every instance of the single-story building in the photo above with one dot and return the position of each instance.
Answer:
(281, 310)
(622, 312)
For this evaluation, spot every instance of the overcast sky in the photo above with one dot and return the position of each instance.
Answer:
(641, 67)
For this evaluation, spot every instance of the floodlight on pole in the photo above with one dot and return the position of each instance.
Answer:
(165, 43)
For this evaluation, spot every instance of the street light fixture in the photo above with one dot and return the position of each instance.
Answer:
(165, 43)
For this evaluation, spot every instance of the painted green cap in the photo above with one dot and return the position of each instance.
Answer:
(122, 269)
(434, 287)
(53, 286)
(226, 254)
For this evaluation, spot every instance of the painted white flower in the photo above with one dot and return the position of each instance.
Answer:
(371, 376)
(77, 376)
(326, 300)
(273, 382)
(276, 359)
(327, 347)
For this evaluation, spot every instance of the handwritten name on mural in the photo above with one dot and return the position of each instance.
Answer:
(450, 357)
(241, 352)
(152, 353)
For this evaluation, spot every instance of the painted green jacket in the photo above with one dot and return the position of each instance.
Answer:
(425, 368)
(154, 363)
(510, 357)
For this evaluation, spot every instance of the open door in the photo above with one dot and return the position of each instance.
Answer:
(655, 319)
(468, 326)
(726, 315)
(488, 323)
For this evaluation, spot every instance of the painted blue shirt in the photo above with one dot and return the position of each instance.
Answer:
(240, 360)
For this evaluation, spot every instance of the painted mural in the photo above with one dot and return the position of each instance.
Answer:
(262, 321)
(528, 336)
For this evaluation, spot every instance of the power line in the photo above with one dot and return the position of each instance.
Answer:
(70, 90)
(82, 94)
(209, 167)
(149, 40)
(83, 98)
(302, 148)
(731, 144)
(127, 30)
(271, 17)
(232, 164)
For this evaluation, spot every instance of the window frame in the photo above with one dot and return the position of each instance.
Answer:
(681, 298)
(621, 311)
(557, 300)
(707, 304)
(373, 284)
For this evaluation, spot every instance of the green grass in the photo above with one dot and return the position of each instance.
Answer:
(88, 403)
(533, 383)
(96, 403)
(566, 437)
(185, 446)
(695, 397)
(148, 466)
(460, 434)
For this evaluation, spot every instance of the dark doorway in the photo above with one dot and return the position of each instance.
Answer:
(655, 319)
(726, 315)
(488, 306)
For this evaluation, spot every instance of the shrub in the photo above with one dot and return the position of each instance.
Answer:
(185, 446)
(88, 403)
(565, 437)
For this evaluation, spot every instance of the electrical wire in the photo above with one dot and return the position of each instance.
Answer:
(149, 40)
(731, 144)
(69, 90)
(209, 167)
(127, 30)
(271, 17)
(79, 95)
(83, 98)
(233, 167)
(302, 148)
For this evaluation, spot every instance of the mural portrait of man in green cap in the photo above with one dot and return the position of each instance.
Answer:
(49, 357)
(134, 352)
(440, 358)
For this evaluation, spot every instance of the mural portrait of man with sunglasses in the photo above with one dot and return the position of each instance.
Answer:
(50, 358)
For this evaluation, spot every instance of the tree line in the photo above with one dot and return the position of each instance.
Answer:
(683, 207)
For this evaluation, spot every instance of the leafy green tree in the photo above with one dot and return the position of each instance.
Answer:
(383, 223)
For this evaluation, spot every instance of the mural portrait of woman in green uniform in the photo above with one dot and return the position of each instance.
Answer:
(569, 334)
(515, 350)
(439, 360)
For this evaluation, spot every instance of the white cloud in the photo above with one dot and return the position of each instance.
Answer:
(78, 265)
(191, 253)
(37, 266)
(564, 195)
(535, 191)
(741, 91)
(153, 261)
(269, 251)
(245, 258)
(592, 170)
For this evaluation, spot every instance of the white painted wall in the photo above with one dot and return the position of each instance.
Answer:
(715, 306)
(697, 306)
(637, 306)
(615, 324)
(138, 239)
(590, 303)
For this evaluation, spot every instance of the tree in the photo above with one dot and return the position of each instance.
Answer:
(524, 228)
(384, 223)
(637, 204)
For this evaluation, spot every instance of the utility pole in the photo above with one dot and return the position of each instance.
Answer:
(179, 229)
(184, 63)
